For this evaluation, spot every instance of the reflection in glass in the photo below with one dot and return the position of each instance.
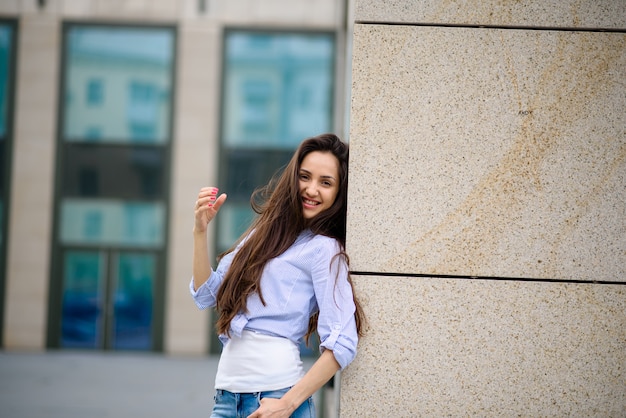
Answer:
(278, 88)
(83, 300)
(250, 168)
(114, 142)
(234, 220)
(2, 193)
(6, 42)
(133, 301)
(113, 171)
(118, 84)
(112, 222)
(95, 92)
(96, 317)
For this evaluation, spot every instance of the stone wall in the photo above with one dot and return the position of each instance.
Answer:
(487, 208)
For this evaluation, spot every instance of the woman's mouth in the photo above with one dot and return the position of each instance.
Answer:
(308, 202)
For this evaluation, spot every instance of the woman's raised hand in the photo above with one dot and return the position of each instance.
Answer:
(207, 206)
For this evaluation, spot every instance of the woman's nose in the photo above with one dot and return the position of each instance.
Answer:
(311, 190)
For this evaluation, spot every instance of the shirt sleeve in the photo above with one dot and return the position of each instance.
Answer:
(206, 295)
(336, 324)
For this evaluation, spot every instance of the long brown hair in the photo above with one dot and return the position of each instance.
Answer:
(279, 222)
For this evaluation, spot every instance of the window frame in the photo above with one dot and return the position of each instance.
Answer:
(57, 248)
(7, 164)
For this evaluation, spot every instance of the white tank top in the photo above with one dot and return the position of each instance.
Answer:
(256, 362)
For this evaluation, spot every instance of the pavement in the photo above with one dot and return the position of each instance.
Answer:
(85, 384)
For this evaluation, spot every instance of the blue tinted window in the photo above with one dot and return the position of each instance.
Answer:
(110, 222)
(95, 92)
(125, 78)
(278, 88)
(113, 171)
(133, 301)
(6, 44)
(7, 64)
(83, 300)
(112, 174)
(95, 315)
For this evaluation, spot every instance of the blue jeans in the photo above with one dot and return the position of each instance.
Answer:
(240, 405)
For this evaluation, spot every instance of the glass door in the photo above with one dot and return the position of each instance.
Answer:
(132, 301)
(108, 299)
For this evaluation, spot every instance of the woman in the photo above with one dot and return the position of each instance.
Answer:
(286, 277)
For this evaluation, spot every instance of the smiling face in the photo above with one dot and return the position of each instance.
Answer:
(318, 181)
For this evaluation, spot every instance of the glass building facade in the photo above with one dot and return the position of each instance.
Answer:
(112, 186)
(111, 118)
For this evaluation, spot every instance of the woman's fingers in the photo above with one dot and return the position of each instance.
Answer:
(207, 205)
(219, 202)
(206, 195)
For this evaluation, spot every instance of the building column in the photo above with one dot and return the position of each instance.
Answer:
(487, 208)
(32, 188)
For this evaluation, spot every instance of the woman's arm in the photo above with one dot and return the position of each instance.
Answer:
(321, 372)
(206, 208)
(201, 262)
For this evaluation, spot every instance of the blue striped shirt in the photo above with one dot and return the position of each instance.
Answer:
(306, 278)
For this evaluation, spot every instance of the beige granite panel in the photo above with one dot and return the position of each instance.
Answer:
(10, 6)
(608, 14)
(77, 8)
(27, 275)
(484, 348)
(323, 14)
(116, 9)
(488, 152)
(194, 164)
(275, 13)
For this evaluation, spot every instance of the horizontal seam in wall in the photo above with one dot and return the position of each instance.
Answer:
(493, 278)
(538, 28)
